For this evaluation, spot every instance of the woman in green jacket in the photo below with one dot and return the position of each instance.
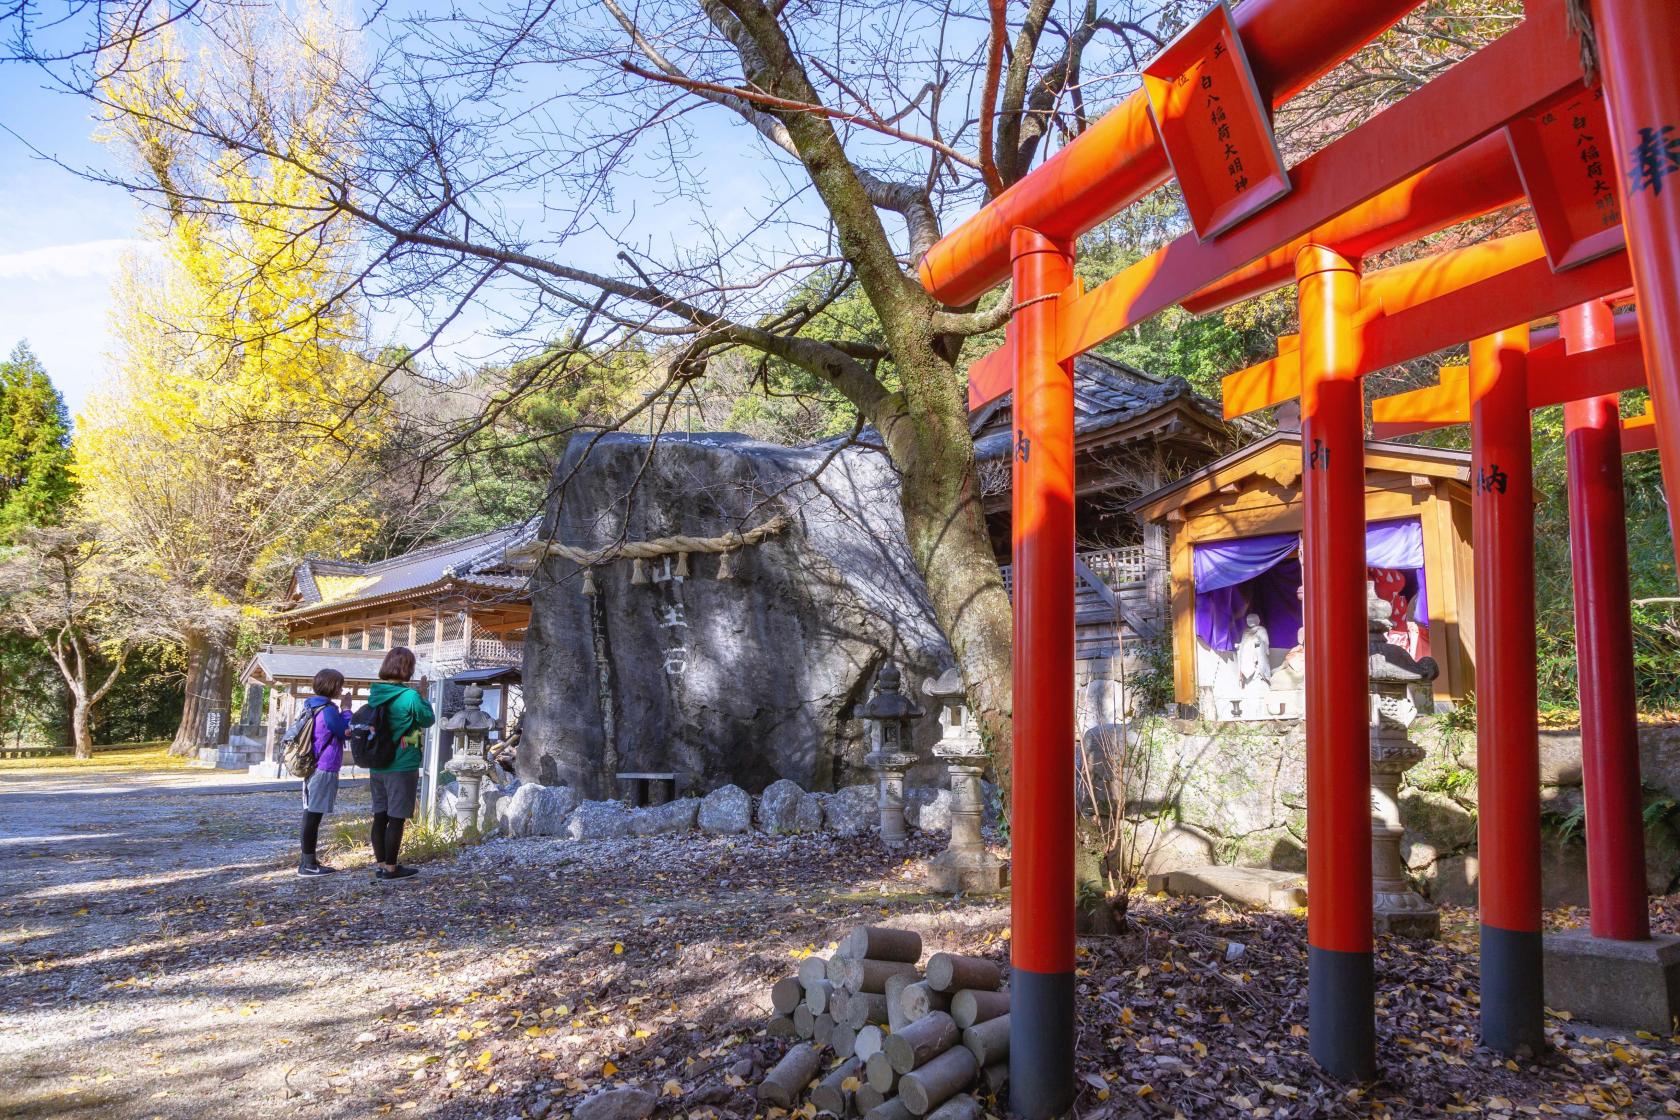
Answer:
(394, 787)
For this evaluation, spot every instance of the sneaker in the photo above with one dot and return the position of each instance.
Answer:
(309, 869)
(400, 873)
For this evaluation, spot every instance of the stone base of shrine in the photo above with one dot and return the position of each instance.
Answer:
(1257, 887)
(231, 757)
(955, 873)
(1631, 984)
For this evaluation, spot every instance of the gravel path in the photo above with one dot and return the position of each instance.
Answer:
(159, 958)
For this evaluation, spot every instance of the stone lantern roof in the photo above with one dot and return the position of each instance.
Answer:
(888, 702)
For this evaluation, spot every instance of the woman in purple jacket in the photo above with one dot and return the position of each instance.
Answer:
(321, 790)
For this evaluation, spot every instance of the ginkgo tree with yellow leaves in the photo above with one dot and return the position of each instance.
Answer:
(242, 419)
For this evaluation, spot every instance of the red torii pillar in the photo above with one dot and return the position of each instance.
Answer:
(1639, 64)
(1604, 646)
(1494, 396)
(1340, 975)
(1507, 729)
(1607, 974)
(1041, 1083)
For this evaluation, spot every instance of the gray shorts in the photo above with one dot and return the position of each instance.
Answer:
(320, 790)
(394, 792)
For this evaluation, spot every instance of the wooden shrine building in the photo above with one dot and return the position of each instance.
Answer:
(459, 605)
(1133, 434)
(1232, 533)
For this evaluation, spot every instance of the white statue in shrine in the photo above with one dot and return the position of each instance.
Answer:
(1254, 654)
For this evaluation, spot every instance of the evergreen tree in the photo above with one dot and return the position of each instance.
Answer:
(35, 481)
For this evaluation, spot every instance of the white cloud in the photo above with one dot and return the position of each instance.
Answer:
(81, 260)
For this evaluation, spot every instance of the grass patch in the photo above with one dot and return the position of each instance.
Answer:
(423, 841)
(106, 760)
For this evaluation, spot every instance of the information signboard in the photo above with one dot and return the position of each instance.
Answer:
(1214, 125)
(1563, 155)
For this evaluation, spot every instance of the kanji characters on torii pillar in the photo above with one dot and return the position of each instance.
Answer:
(1434, 159)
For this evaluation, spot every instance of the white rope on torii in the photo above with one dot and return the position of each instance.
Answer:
(640, 552)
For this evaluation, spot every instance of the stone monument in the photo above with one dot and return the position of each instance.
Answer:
(965, 867)
(471, 731)
(1395, 906)
(892, 713)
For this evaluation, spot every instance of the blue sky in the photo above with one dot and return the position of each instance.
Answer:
(61, 236)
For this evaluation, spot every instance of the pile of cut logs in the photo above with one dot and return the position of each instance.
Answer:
(884, 1040)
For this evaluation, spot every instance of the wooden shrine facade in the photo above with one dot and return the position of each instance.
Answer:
(457, 604)
(1255, 492)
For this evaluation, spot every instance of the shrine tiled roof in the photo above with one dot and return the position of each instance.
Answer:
(1106, 394)
(475, 561)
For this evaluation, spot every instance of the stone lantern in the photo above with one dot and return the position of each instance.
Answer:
(892, 713)
(966, 867)
(470, 729)
(1395, 906)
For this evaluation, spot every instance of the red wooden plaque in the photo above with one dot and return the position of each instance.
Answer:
(1563, 155)
(1216, 130)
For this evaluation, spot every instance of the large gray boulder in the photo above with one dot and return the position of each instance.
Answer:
(536, 810)
(778, 806)
(808, 814)
(739, 681)
(853, 811)
(726, 811)
(660, 820)
(599, 820)
(553, 808)
(928, 809)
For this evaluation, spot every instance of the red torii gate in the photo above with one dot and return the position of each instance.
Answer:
(1595, 356)
(1373, 180)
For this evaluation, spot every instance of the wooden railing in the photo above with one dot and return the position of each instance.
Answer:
(1115, 567)
(480, 651)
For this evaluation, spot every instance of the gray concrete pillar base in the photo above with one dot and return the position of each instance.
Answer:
(1631, 984)
(965, 873)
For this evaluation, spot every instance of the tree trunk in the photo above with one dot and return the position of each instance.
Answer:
(940, 497)
(209, 693)
(81, 731)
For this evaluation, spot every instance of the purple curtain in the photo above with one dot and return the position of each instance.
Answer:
(1261, 575)
(1258, 574)
(1399, 544)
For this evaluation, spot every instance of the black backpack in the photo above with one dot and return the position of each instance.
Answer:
(372, 746)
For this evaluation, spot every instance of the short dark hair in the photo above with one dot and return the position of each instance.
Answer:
(328, 683)
(398, 665)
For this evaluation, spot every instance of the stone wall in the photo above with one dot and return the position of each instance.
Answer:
(1235, 793)
(742, 681)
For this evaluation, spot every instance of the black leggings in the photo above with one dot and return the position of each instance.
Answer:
(386, 837)
(311, 832)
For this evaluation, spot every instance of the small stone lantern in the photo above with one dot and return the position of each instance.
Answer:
(892, 713)
(1395, 906)
(966, 867)
(470, 729)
